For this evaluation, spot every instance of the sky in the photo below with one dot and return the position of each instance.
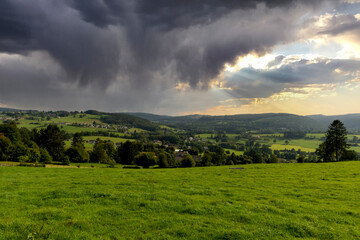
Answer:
(178, 57)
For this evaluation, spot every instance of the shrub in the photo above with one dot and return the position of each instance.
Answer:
(163, 162)
(300, 159)
(273, 159)
(349, 155)
(188, 161)
(145, 159)
(45, 157)
(66, 160)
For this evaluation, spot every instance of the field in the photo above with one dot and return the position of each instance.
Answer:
(274, 201)
(307, 145)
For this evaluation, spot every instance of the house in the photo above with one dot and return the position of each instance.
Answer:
(180, 155)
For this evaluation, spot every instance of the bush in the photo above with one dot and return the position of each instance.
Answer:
(206, 159)
(23, 159)
(188, 161)
(45, 156)
(77, 154)
(273, 159)
(300, 159)
(163, 162)
(145, 159)
(66, 160)
(111, 163)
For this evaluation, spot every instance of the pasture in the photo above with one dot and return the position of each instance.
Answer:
(277, 142)
(262, 201)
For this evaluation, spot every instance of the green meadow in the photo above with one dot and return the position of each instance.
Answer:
(89, 146)
(262, 201)
(307, 145)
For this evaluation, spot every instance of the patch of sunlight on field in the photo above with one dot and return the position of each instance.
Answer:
(289, 147)
(236, 152)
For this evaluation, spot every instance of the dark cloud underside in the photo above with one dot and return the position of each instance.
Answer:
(138, 48)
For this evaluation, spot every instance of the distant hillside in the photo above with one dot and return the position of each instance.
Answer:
(149, 116)
(125, 119)
(10, 110)
(238, 123)
(351, 121)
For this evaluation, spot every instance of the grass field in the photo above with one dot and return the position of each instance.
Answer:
(289, 147)
(275, 201)
(88, 119)
(89, 146)
(236, 152)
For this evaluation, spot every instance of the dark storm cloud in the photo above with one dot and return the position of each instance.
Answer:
(84, 51)
(165, 14)
(341, 24)
(94, 41)
(262, 83)
(126, 52)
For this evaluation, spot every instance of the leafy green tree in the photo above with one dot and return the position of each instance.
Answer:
(349, 155)
(78, 141)
(110, 149)
(335, 144)
(53, 140)
(194, 151)
(255, 156)
(34, 155)
(66, 160)
(188, 161)
(77, 154)
(231, 160)
(45, 156)
(21, 149)
(171, 158)
(6, 148)
(273, 159)
(145, 159)
(218, 158)
(127, 151)
(300, 159)
(163, 162)
(98, 153)
(206, 159)
(11, 131)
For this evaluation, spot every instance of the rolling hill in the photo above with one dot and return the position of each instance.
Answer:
(351, 121)
(238, 123)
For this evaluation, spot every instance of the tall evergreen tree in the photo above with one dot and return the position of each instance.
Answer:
(335, 143)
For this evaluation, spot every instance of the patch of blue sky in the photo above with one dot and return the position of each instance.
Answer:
(348, 8)
(309, 47)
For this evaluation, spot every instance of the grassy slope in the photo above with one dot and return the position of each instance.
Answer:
(278, 201)
(88, 119)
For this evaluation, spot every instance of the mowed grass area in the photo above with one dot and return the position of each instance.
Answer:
(274, 201)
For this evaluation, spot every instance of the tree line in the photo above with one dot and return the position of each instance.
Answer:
(47, 145)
